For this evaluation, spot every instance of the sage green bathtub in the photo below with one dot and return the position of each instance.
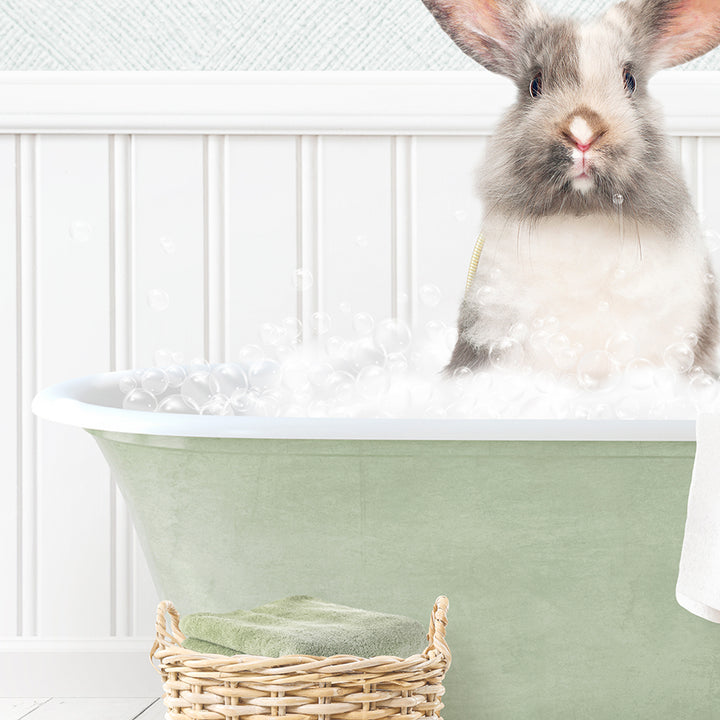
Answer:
(559, 558)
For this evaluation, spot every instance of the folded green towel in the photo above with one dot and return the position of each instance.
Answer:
(204, 647)
(302, 625)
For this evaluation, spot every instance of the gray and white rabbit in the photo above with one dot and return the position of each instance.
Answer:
(589, 228)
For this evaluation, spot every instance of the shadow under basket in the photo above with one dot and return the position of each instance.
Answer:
(300, 687)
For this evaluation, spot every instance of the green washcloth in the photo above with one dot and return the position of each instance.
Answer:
(205, 647)
(302, 625)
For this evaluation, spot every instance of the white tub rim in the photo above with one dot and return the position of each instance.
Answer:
(79, 402)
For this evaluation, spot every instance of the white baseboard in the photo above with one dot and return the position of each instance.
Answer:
(94, 667)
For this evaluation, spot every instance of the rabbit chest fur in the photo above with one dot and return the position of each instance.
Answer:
(585, 282)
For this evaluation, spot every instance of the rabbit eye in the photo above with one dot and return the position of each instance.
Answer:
(629, 81)
(536, 85)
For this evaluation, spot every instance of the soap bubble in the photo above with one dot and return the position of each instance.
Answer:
(199, 363)
(679, 357)
(712, 240)
(154, 381)
(250, 354)
(158, 299)
(139, 399)
(485, 294)
(430, 295)
(293, 328)
(167, 245)
(80, 231)
(566, 358)
(163, 357)
(217, 405)
(462, 378)
(372, 381)
(519, 331)
(243, 401)
(295, 373)
(639, 374)
(176, 404)
(556, 343)
(265, 374)
(450, 337)
(618, 200)
(175, 375)
(230, 377)
(703, 388)
(302, 279)
(126, 383)
(506, 354)
(321, 323)
(267, 403)
(593, 370)
(198, 387)
(393, 335)
(271, 334)
(621, 346)
(364, 353)
(345, 307)
(551, 324)
(435, 330)
(336, 347)
(691, 339)
(363, 323)
(341, 386)
(319, 374)
(397, 363)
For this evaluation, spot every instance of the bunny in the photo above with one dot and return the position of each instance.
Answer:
(590, 233)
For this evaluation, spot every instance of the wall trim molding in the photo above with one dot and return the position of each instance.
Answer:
(84, 667)
(343, 103)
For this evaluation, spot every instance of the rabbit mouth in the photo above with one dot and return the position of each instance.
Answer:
(582, 175)
(582, 179)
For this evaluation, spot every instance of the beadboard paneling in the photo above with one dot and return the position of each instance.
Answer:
(354, 254)
(73, 306)
(264, 214)
(10, 363)
(168, 246)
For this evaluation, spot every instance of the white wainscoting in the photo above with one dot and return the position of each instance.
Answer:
(171, 210)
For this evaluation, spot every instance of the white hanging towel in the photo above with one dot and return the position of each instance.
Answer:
(698, 585)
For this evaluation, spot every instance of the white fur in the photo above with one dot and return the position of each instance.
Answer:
(580, 130)
(580, 271)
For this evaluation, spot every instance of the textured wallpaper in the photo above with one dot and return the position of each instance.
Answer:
(238, 35)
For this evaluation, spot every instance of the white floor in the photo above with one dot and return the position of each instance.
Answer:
(81, 709)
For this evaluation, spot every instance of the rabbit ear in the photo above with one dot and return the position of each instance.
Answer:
(680, 30)
(489, 31)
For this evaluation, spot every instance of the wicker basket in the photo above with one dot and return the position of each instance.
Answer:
(298, 687)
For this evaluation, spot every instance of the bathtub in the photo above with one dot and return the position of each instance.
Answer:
(557, 542)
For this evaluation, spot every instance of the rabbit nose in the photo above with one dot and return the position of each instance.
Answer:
(583, 132)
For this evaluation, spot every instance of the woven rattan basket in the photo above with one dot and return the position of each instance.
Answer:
(298, 687)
